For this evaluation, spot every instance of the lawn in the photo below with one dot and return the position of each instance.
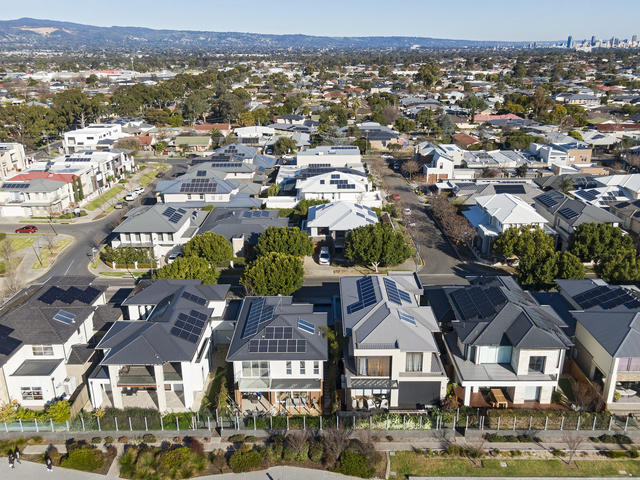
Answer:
(102, 199)
(411, 463)
(565, 386)
(3, 264)
(149, 177)
(49, 253)
(18, 243)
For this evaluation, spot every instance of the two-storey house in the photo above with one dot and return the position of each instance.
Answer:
(391, 355)
(278, 352)
(92, 137)
(35, 197)
(339, 186)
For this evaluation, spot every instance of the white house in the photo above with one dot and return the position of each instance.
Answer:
(340, 186)
(330, 156)
(92, 137)
(26, 197)
(12, 159)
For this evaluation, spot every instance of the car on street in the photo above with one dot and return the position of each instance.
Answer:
(120, 205)
(411, 222)
(386, 156)
(173, 256)
(286, 156)
(130, 197)
(160, 175)
(139, 191)
(406, 211)
(396, 166)
(395, 196)
(325, 258)
(27, 229)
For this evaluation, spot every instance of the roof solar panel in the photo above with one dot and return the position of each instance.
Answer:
(64, 317)
(51, 295)
(253, 318)
(366, 295)
(306, 326)
(568, 212)
(8, 344)
(169, 212)
(407, 318)
(547, 201)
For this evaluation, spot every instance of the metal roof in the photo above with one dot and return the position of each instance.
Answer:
(37, 368)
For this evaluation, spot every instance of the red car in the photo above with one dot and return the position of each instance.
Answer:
(27, 229)
(396, 196)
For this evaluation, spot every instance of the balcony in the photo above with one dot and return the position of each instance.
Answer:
(143, 376)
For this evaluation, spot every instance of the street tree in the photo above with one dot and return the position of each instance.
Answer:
(394, 147)
(286, 240)
(404, 125)
(390, 114)
(274, 274)
(376, 245)
(620, 266)
(410, 168)
(211, 246)
(522, 170)
(363, 144)
(593, 241)
(446, 125)
(285, 145)
(569, 267)
(474, 104)
(190, 268)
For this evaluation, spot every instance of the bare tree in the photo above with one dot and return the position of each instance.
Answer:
(335, 441)
(6, 249)
(633, 160)
(410, 167)
(588, 397)
(297, 439)
(390, 114)
(476, 449)
(574, 441)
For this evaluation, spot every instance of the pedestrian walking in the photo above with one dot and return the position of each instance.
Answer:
(11, 461)
(18, 456)
(49, 464)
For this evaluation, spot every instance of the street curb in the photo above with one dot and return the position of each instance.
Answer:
(46, 270)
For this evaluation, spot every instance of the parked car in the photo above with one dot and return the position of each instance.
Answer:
(396, 196)
(286, 156)
(130, 197)
(325, 258)
(120, 205)
(173, 256)
(386, 156)
(160, 175)
(139, 191)
(27, 229)
(396, 166)
(411, 222)
(406, 211)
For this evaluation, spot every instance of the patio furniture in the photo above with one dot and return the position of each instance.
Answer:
(370, 404)
(361, 403)
(384, 404)
(499, 399)
(354, 403)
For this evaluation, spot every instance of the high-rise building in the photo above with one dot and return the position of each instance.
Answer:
(593, 40)
(634, 39)
(569, 41)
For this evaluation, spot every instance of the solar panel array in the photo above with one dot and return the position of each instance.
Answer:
(201, 173)
(588, 195)
(306, 326)
(15, 185)
(346, 186)
(278, 333)
(70, 295)
(277, 346)
(64, 317)
(584, 182)
(199, 185)
(189, 327)
(194, 298)
(366, 295)
(607, 297)
(407, 318)
(477, 302)
(512, 189)
(8, 345)
(394, 293)
(255, 214)
(256, 317)
(224, 216)
(568, 212)
(547, 200)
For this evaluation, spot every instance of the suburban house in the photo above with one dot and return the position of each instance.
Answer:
(629, 213)
(339, 187)
(242, 227)
(440, 161)
(607, 352)
(92, 137)
(160, 228)
(466, 192)
(37, 197)
(564, 214)
(330, 222)
(391, 356)
(278, 353)
(630, 184)
(45, 337)
(502, 344)
(330, 156)
(494, 214)
(12, 159)
(160, 358)
(193, 144)
(603, 197)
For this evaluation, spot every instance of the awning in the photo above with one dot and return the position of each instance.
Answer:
(253, 384)
(295, 385)
(37, 368)
(381, 383)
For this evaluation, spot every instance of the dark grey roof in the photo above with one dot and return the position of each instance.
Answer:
(230, 223)
(154, 220)
(152, 292)
(37, 368)
(80, 354)
(29, 320)
(285, 314)
(619, 334)
(581, 212)
(105, 316)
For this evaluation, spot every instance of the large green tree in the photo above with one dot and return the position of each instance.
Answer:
(428, 74)
(473, 104)
(285, 145)
(212, 247)
(197, 105)
(593, 241)
(446, 125)
(274, 274)
(620, 266)
(376, 245)
(286, 240)
(190, 268)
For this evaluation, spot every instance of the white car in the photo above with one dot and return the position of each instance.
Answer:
(139, 191)
(325, 258)
(406, 211)
(130, 197)
(173, 256)
(386, 156)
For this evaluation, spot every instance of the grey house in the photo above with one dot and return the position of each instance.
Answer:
(498, 337)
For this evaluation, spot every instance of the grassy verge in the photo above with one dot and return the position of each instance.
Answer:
(18, 243)
(15, 261)
(49, 253)
(411, 463)
(148, 177)
(124, 274)
(102, 199)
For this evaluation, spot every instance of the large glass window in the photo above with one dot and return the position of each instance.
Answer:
(374, 366)
(536, 364)
(532, 394)
(629, 365)
(288, 368)
(42, 350)
(316, 367)
(495, 354)
(414, 362)
(31, 393)
(303, 368)
(255, 369)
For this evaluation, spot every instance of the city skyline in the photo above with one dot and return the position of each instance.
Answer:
(414, 18)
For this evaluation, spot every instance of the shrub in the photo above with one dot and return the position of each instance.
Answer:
(196, 447)
(218, 462)
(148, 438)
(239, 438)
(354, 464)
(96, 440)
(85, 459)
(171, 463)
(316, 451)
(108, 439)
(208, 208)
(496, 451)
(276, 439)
(250, 439)
(556, 397)
(616, 454)
(516, 453)
(634, 453)
(243, 460)
(304, 453)
(288, 454)
(453, 450)
(618, 438)
(275, 451)
(124, 439)
(389, 438)
(177, 439)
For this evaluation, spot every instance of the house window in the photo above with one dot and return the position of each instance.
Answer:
(495, 354)
(42, 350)
(321, 182)
(532, 394)
(536, 364)
(374, 366)
(414, 362)
(255, 369)
(303, 368)
(188, 196)
(316, 367)
(288, 368)
(31, 393)
(629, 365)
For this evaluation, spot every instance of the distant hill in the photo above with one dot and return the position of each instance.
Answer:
(29, 32)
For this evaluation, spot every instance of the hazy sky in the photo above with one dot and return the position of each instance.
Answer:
(511, 20)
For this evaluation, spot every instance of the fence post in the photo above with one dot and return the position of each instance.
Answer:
(354, 422)
(387, 421)
(271, 422)
(562, 423)
(6, 429)
(67, 421)
(287, 422)
(221, 426)
(498, 429)
(237, 421)
(320, 422)
(404, 423)
(457, 415)
(51, 423)
(626, 423)
(254, 422)
(130, 427)
(337, 421)
(209, 423)
(82, 421)
(420, 422)
(546, 422)
(530, 421)
(217, 419)
(594, 423)
(514, 423)
(610, 422)
(21, 429)
(99, 428)
(36, 422)
(116, 422)
(146, 425)
(578, 424)
(304, 422)
(370, 422)
(177, 424)
(161, 424)
(467, 424)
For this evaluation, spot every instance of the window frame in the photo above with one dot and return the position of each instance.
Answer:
(415, 364)
(289, 370)
(31, 393)
(537, 358)
(316, 367)
(42, 350)
(303, 367)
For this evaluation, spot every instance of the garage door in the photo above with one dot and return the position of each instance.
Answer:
(414, 394)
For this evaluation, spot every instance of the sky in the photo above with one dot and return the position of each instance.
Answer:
(506, 20)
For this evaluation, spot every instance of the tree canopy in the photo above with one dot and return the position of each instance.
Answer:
(376, 245)
(274, 274)
(190, 268)
(285, 145)
(212, 247)
(594, 241)
(286, 240)
(474, 104)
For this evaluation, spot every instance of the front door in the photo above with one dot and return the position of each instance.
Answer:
(531, 394)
